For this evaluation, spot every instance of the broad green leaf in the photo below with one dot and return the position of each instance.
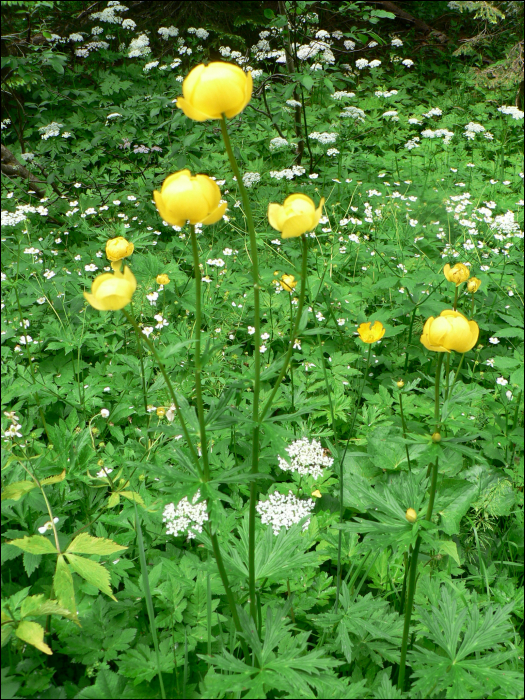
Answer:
(63, 586)
(93, 572)
(16, 490)
(86, 544)
(114, 499)
(33, 633)
(37, 605)
(35, 544)
(454, 499)
(449, 547)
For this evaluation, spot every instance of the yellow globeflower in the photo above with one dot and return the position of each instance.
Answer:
(371, 333)
(162, 279)
(473, 284)
(457, 274)
(186, 197)
(110, 292)
(118, 248)
(449, 331)
(288, 283)
(213, 90)
(296, 216)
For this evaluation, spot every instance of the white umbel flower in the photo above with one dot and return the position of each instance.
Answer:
(307, 458)
(284, 511)
(185, 516)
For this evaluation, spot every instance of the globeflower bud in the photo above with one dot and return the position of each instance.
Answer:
(317, 493)
(162, 279)
(436, 437)
(457, 274)
(161, 411)
(473, 285)
(411, 515)
(449, 331)
(400, 384)
(118, 248)
(213, 90)
(371, 333)
(288, 283)
(110, 292)
(295, 216)
(186, 197)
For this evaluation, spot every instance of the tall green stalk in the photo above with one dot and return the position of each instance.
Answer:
(257, 368)
(197, 356)
(341, 481)
(295, 329)
(412, 576)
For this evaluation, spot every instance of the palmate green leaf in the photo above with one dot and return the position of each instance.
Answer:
(454, 498)
(285, 664)
(275, 556)
(37, 605)
(63, 586)
(141, 665)
(466, 664)
(17, 489)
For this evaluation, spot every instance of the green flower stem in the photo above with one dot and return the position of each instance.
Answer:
(403, 423)
(198, 386)
(142, 373)
(412, 575)
(341, 482)
(292, 338)
(456, 375)
(456, 297)
(182, 422)
(257, 368)
(295, 329)
(447, 375)
(412, 318)
(229, 593)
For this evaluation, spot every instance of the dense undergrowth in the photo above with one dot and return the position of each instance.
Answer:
(375, 447)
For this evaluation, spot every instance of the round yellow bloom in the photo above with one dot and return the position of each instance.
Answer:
(161, 411)
(186, 197)
(288, 283)
(296, 216)
(400, 384)
(473, 284)
(118, 248)
(371, 333)
(436, 437)
(213, 90)
(162, 279)
(411, 515)
(317, 494)
(449, 331)
(110, 292)
(457, 274)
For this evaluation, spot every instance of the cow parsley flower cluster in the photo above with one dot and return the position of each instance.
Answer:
(324, 137)
(185, 516)
(278, 143)
(288, 173)
(445, 134)
(354, 113)
(284, 511)
(307, 458)
(471, 129)
(514, 112)
(250, 179)
(50, 130)
(139, 46)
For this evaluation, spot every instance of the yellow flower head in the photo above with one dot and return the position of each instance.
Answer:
(162, 279)
(317, 494)
(213, 90)
(186, 197)
(371, 333)
(288, 283)
(449, 331)
(118, 248)
(457, 274)
(400, 384)
(110, 292)
(473, 284)
(411, 515)
(161, 411)
(296, 216)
